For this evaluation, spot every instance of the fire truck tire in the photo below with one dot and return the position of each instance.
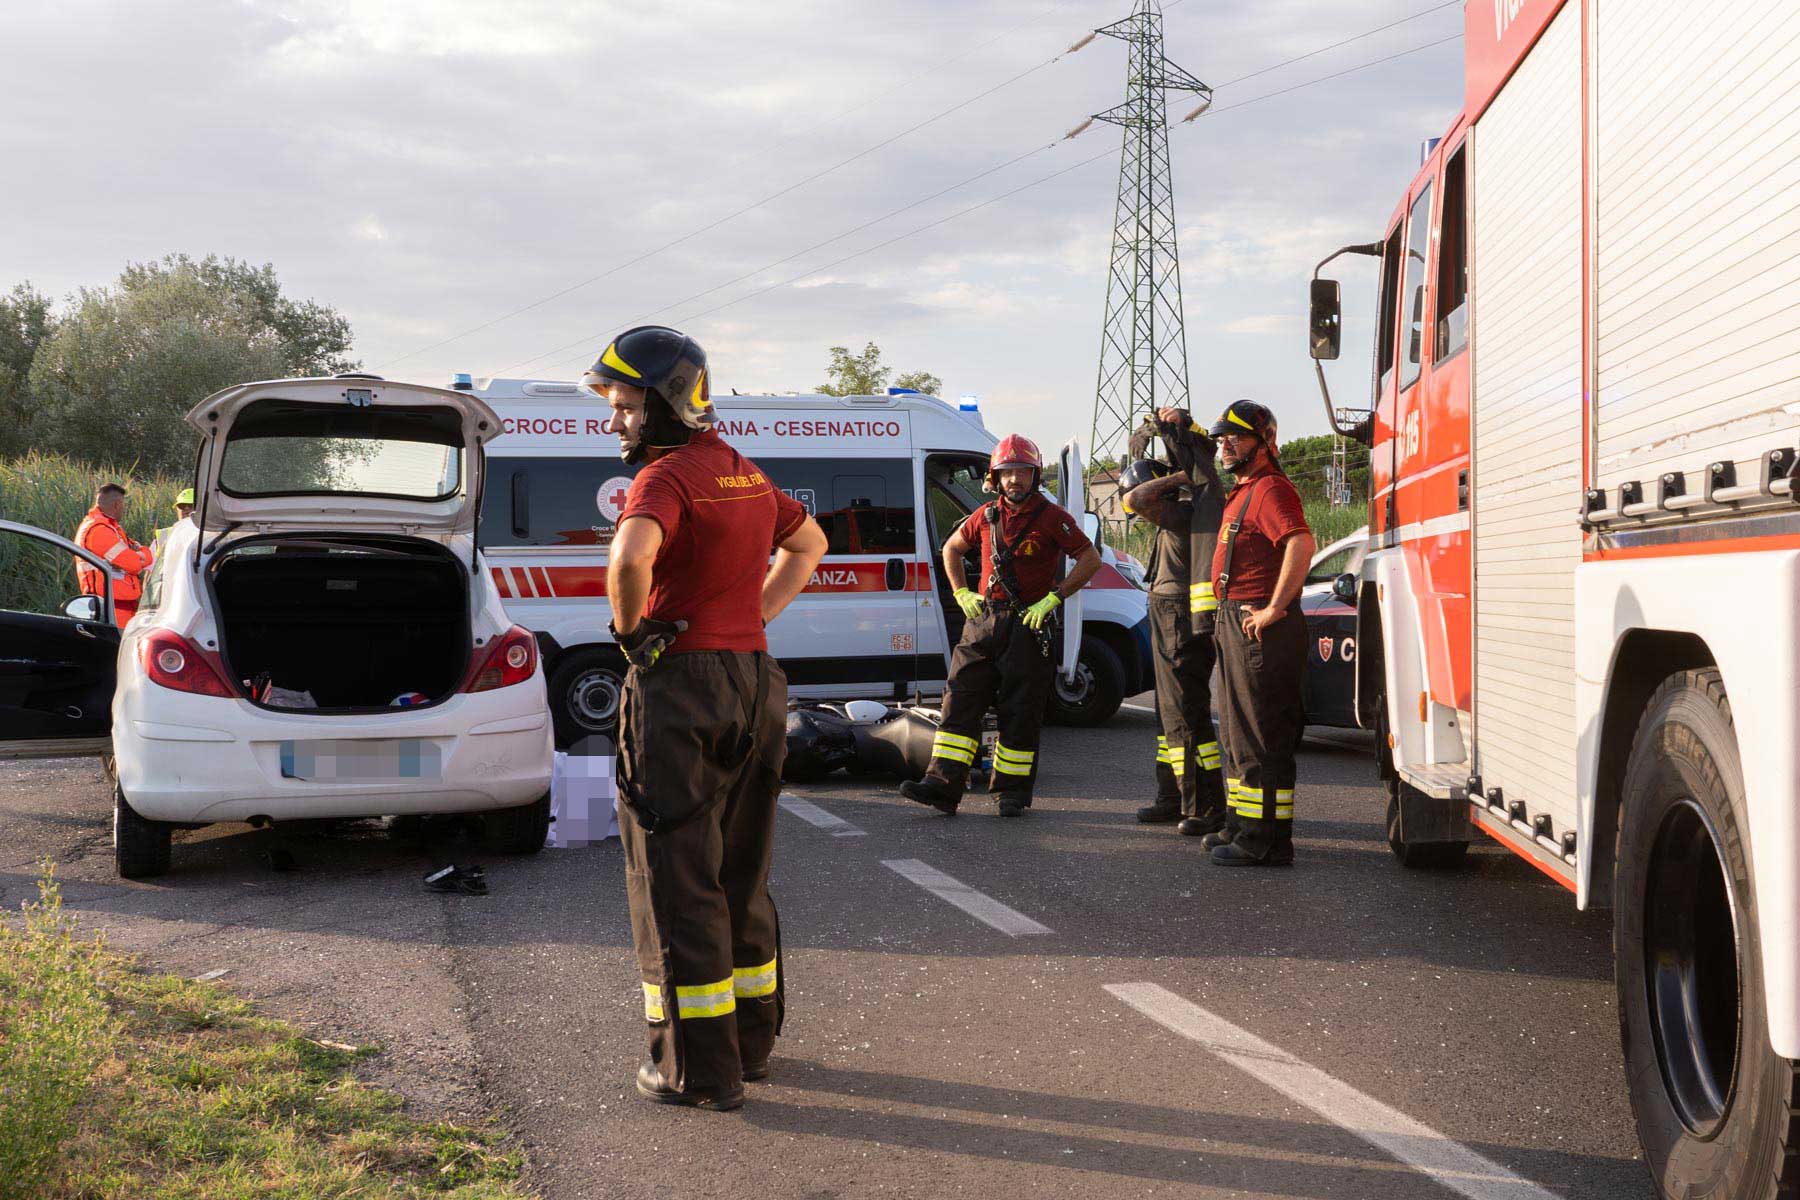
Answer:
(585, 689)
(1715, 1105)
(1423, 856)
(521, 830)
(1097, 692)
(141, 849)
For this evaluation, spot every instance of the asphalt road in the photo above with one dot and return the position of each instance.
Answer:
(1343, 1029)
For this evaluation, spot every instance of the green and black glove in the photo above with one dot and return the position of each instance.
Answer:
(969, 602)
(1037, 614)
(645, 644)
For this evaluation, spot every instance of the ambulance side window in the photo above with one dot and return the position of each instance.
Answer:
(1453, 265)
(865, 506)
(552, 501)
(1412, 293)
(1387, 317)
(953, 491)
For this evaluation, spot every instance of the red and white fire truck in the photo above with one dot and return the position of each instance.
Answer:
(1579, 620)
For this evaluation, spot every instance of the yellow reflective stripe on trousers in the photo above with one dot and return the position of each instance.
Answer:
(1248, 802)
(705, 1000)
(751, 982)
(1201, 598)
(955, 747)
(1208, 755)
(653, 1002)
(953, 753)
(1008, 761)
(947, 738)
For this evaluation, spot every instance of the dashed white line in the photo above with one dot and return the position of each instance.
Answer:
(815, 816)
(982, 907)
(1450, 1163)
(1143, 708)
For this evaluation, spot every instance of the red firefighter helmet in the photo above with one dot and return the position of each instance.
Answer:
(1015, 450)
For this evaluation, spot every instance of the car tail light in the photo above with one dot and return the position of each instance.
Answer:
(510, 659)
(170, 660)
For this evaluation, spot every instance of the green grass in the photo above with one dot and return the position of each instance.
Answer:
(117, 1084)
(53, 492)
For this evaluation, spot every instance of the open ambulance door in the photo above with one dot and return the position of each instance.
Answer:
(1072, 495)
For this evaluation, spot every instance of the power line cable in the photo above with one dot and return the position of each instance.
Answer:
(731, 216)
(589, 341)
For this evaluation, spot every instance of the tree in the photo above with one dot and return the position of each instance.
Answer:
(112, 381)
(25, 321)
(865, 375)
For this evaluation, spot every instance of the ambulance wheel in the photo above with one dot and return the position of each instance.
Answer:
(1097, 692)
(585, 690)
(521, 830)
(141, 849)
(1713, 1101)
(1424, 856)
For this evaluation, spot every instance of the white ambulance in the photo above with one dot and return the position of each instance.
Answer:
(887, 477)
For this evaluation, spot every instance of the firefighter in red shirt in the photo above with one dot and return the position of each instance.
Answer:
(702, 724)
(1258, 568)
(1003, 658)
(100, 533)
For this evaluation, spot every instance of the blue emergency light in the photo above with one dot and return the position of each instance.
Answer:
(462, 381)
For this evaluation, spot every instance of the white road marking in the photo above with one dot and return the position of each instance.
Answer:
(1143, 708)
(813, 815)
(982, 907)
(1450, 1163)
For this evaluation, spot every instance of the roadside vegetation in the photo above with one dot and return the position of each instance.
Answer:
(117, 1084)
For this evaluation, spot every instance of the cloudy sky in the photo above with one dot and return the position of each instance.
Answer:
(430, 166)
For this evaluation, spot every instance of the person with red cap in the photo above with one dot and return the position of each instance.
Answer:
(1003, 657)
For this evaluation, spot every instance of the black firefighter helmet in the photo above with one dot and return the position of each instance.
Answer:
(671, 368)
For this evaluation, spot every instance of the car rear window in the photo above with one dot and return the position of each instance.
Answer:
(282, 448)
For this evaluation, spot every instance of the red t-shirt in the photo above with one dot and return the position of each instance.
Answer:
(721, 519)
(1272, 513)
(1034, 562)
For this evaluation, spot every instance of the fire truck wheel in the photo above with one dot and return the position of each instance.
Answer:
(1098, 689)
(584, 694)
(1711, 1098)
(1419, 855)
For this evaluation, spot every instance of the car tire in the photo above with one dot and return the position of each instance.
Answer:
(1419, 856)
(585, 690)
(1098, 690)
(141, 849)
(521, 830)
(1712, 1099)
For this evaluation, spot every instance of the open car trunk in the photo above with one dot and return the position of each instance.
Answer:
(356, 622)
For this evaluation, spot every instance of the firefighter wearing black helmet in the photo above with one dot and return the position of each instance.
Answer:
(1190, 785)
(1003, 657)
(703, 717)
(1258, 568)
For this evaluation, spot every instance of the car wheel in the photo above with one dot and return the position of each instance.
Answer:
(521, 830)
(1418, 855)
(1097, 691)
(1711, 1097)
(585, 690)
(141, 849)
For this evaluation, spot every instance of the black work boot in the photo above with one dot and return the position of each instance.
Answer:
(1202, 825)
(1222, 836)
(938, 793)
(1162, 812)
(1259, 843)
(651, 1084)
(1014, 806)
(756, 1070)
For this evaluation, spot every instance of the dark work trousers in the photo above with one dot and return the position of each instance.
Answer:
(1188, 748)
(701, 741)
(998, 662)
(1260, 722)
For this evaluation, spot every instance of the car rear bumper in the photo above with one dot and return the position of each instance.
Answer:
(201, 758)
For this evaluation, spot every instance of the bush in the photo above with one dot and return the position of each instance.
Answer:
(54, 492)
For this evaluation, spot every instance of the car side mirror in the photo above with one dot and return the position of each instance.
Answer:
(83, 608)
(1344, 587)
(1326, 323)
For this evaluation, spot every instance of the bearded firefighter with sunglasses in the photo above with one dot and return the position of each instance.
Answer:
(702, 723)
(1003, 658)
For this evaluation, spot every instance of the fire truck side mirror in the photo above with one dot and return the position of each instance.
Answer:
(1326, 324)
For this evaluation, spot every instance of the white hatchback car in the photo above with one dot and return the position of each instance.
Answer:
(320, 638)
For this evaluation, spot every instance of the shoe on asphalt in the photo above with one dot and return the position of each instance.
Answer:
(1010, 807)
(929, 792)
(756, 1070)
(1234, 854)
(651, 1085)
(1204, 825)
(1160, 813)
(1218, 837)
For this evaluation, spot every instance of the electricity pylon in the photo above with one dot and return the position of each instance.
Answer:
(1143, 344)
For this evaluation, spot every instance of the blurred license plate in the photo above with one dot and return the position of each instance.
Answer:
(361, 759)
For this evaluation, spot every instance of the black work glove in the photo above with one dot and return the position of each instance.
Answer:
(1139, 444)
(645, 644)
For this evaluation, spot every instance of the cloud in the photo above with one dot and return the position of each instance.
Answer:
(1267, 323)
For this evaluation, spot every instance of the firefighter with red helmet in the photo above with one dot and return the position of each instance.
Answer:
(701, 726)
(1259, 566)
(1003, 657)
